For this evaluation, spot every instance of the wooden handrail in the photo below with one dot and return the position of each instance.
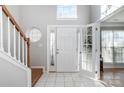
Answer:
(28, 53)
(7, 13)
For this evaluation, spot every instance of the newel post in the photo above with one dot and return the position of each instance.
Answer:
(28, 53)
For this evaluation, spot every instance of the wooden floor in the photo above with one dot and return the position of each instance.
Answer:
(36, 74)
(113, 77)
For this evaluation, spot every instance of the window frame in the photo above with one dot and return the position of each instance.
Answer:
(116, 54)
(73, 17)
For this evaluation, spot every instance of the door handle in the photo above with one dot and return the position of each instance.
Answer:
(57, 51)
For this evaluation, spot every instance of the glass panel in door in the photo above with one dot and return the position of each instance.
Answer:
(87, 50)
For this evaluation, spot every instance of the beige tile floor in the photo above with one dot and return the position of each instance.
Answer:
(66, 80)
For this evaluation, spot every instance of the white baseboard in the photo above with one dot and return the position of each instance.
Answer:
(39, 67)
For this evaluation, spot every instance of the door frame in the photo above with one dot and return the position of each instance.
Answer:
(118, 26)
(54, 27)
(95, 51)
(96, 36)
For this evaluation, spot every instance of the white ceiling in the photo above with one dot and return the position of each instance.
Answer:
(117, 17)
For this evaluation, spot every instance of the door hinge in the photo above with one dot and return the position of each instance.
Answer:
(96, 29)
(96, 50)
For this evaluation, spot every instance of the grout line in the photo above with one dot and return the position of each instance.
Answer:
(72, 83)
(46, 81)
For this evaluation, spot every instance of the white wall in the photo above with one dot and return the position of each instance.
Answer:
(40, 17)
(14, 10)
(95, 13)
(13, 74)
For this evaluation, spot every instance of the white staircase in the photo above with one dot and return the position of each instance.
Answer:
(14, 52)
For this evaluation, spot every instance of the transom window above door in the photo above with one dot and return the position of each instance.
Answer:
(67, 12)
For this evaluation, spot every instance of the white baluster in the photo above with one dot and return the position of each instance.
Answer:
(26, 54)
(1, 29)
(14, 29)
(19, 47)
(9, 36)
(23, 50)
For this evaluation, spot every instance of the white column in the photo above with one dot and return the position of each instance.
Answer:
(19, 47)
(23, 46)
(14, 34)
(9, 52)
(1, 30)
(26, 53)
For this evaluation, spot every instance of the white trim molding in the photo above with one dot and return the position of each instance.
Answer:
(39, 67)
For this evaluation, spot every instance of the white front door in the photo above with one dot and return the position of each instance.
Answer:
(67, 49)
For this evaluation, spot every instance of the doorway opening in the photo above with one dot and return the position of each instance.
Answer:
(73, 49)
(63, 46)
(112, 53)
